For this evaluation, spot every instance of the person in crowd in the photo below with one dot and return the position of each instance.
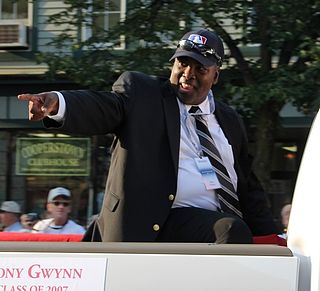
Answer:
(28, 220)
(59, 208)
(180, 169)
(10, 212)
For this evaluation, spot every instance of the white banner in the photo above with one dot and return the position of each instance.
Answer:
(52, 273)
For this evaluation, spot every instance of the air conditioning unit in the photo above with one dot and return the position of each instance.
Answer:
(13, 34)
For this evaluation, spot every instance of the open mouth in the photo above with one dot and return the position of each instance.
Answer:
(186, 87)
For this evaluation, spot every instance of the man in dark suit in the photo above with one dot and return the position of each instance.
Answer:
(161, 185)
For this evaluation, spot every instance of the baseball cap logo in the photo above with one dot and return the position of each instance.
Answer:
(196, 38)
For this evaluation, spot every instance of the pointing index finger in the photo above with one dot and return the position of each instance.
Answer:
(28, 97)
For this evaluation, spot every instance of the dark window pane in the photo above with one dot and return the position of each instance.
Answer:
(98, 5)
(98, 24)
(14, 9)
(114, 18)
(7, 9)
(22, 9)
(114, 5)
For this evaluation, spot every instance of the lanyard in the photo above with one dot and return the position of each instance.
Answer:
(188, 123)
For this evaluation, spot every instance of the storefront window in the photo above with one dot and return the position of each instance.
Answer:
(3, 164)
(40, 161)
(285, 165)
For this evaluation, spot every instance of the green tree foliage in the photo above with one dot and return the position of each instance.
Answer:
(281, 39)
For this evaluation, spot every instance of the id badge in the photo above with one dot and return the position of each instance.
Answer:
(207, 172)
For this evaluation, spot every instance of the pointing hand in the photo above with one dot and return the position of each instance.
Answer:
(41, 105)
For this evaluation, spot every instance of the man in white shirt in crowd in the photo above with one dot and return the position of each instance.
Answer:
(10, 212)
(59, 208)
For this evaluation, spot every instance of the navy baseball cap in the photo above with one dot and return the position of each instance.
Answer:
(203, 45)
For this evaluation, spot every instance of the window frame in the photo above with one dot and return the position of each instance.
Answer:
(86, 32)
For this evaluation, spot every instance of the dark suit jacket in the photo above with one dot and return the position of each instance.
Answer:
(143, 113)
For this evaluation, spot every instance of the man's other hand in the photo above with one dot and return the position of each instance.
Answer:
(41, 105)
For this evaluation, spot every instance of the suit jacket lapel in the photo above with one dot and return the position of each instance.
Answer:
(172, 117)
(225, 121)
(230, 130)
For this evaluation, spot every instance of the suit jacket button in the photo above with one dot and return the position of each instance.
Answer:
(156, 227)
(171, 197)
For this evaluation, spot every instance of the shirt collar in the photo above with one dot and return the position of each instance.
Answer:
(207, 106)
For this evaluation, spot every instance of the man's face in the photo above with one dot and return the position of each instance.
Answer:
(8, 218)
(192, 79)
(59, 208)
(27, 221)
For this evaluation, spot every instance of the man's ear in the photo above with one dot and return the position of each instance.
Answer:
(216, 76)
(49, 207)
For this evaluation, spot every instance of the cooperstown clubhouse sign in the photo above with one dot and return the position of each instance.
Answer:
(53, 156)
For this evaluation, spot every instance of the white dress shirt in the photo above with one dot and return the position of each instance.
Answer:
(191, 190)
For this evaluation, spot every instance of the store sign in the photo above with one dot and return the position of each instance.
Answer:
(53, 156)
(52, 273)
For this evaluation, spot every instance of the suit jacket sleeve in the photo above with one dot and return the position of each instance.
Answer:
(95, 112)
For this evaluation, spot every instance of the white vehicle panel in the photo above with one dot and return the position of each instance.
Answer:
(145, 267)
(303, 229)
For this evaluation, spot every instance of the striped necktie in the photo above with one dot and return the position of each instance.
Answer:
(227, 195)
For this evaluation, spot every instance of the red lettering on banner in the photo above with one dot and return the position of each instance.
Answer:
(10, 273)
(46, 273)
(36, 271)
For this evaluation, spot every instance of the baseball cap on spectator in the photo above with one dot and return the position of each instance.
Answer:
(32, 216)
(10, 206)
(203, 45)
(58, 191)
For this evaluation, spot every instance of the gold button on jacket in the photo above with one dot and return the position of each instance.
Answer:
(156, 227)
